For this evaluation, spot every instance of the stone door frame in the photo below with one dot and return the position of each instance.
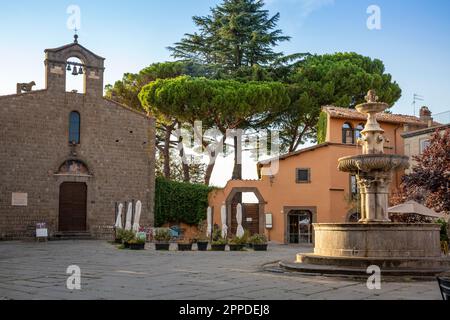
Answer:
(287, 210)
(262, 203)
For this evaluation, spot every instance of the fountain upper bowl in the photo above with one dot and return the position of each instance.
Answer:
(373, 162)
(372, 107)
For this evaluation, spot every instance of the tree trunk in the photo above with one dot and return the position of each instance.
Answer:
(166, 153)
(184, 161)
(212, 161)
(237, 170)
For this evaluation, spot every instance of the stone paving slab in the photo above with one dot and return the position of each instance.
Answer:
(37, 271)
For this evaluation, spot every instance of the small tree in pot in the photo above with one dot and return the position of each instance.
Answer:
(162, 237)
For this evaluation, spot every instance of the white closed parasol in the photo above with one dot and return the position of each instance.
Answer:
(137, 216)
(209, 221)
(129, 217)
(224, 222)
(240, 230)
(118, 224)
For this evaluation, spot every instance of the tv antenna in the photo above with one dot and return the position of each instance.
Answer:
(417, 97)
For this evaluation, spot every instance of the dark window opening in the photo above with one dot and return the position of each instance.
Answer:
(348, 136)
(74, 128)
(303, 176)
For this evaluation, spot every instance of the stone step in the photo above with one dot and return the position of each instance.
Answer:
(346, 271)
(60, 236)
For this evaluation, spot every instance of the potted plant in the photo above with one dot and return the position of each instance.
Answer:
(237, 244)
(259, 242)
(137, 244)
(162, 237)
(219, 244)
(201, 239)
(119, 236)
(185, 245)
(127, 236)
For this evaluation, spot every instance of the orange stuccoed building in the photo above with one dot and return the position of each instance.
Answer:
(307, 187)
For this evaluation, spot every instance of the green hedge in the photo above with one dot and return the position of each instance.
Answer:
(322, 128)
(177, 202)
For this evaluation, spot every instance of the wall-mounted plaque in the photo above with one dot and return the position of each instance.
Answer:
(19, 199)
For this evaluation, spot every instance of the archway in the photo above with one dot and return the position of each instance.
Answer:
(252, 210)
(75, 76)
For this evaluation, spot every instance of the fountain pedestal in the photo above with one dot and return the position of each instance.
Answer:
(398, 249)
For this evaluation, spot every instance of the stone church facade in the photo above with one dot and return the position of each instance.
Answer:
(67, 158)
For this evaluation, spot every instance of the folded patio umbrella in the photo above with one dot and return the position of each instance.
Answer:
(137, 216)
(240, 230)
(118, 224)
(129, 217)
(224, 222)
(209, 221)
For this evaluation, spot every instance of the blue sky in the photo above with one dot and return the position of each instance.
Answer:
(414, 41)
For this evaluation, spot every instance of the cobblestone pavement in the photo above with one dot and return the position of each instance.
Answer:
(38, 271)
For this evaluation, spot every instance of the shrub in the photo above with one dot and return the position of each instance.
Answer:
(238, 241)
(125, 235)
(163, 235)
(219, 242)
(137, 241)
(444, 230)
(177, 202)
(258, 239)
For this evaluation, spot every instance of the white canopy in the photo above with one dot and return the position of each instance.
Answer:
(118, 224)
(224, 222)
(129, 217)
(416, 208)
(209, 221)
(137, 216)
(240, 230)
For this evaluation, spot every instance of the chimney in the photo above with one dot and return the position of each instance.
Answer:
(425, 116)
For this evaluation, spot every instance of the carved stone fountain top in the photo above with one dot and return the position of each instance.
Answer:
(373, 168)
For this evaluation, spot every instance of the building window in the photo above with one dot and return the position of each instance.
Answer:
(74, 128)
(358, 131)
(424, 144)
(303, 175)
(347, 134)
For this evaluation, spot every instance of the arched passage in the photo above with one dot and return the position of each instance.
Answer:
(253, 213)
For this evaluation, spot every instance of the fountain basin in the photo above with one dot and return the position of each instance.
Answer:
(373, 162)
(372, 107)
(398, 249)
(377, 240)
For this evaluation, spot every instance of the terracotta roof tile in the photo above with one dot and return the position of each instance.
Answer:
(345, 113)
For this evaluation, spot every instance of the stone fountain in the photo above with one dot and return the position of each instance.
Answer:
(350, 248)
